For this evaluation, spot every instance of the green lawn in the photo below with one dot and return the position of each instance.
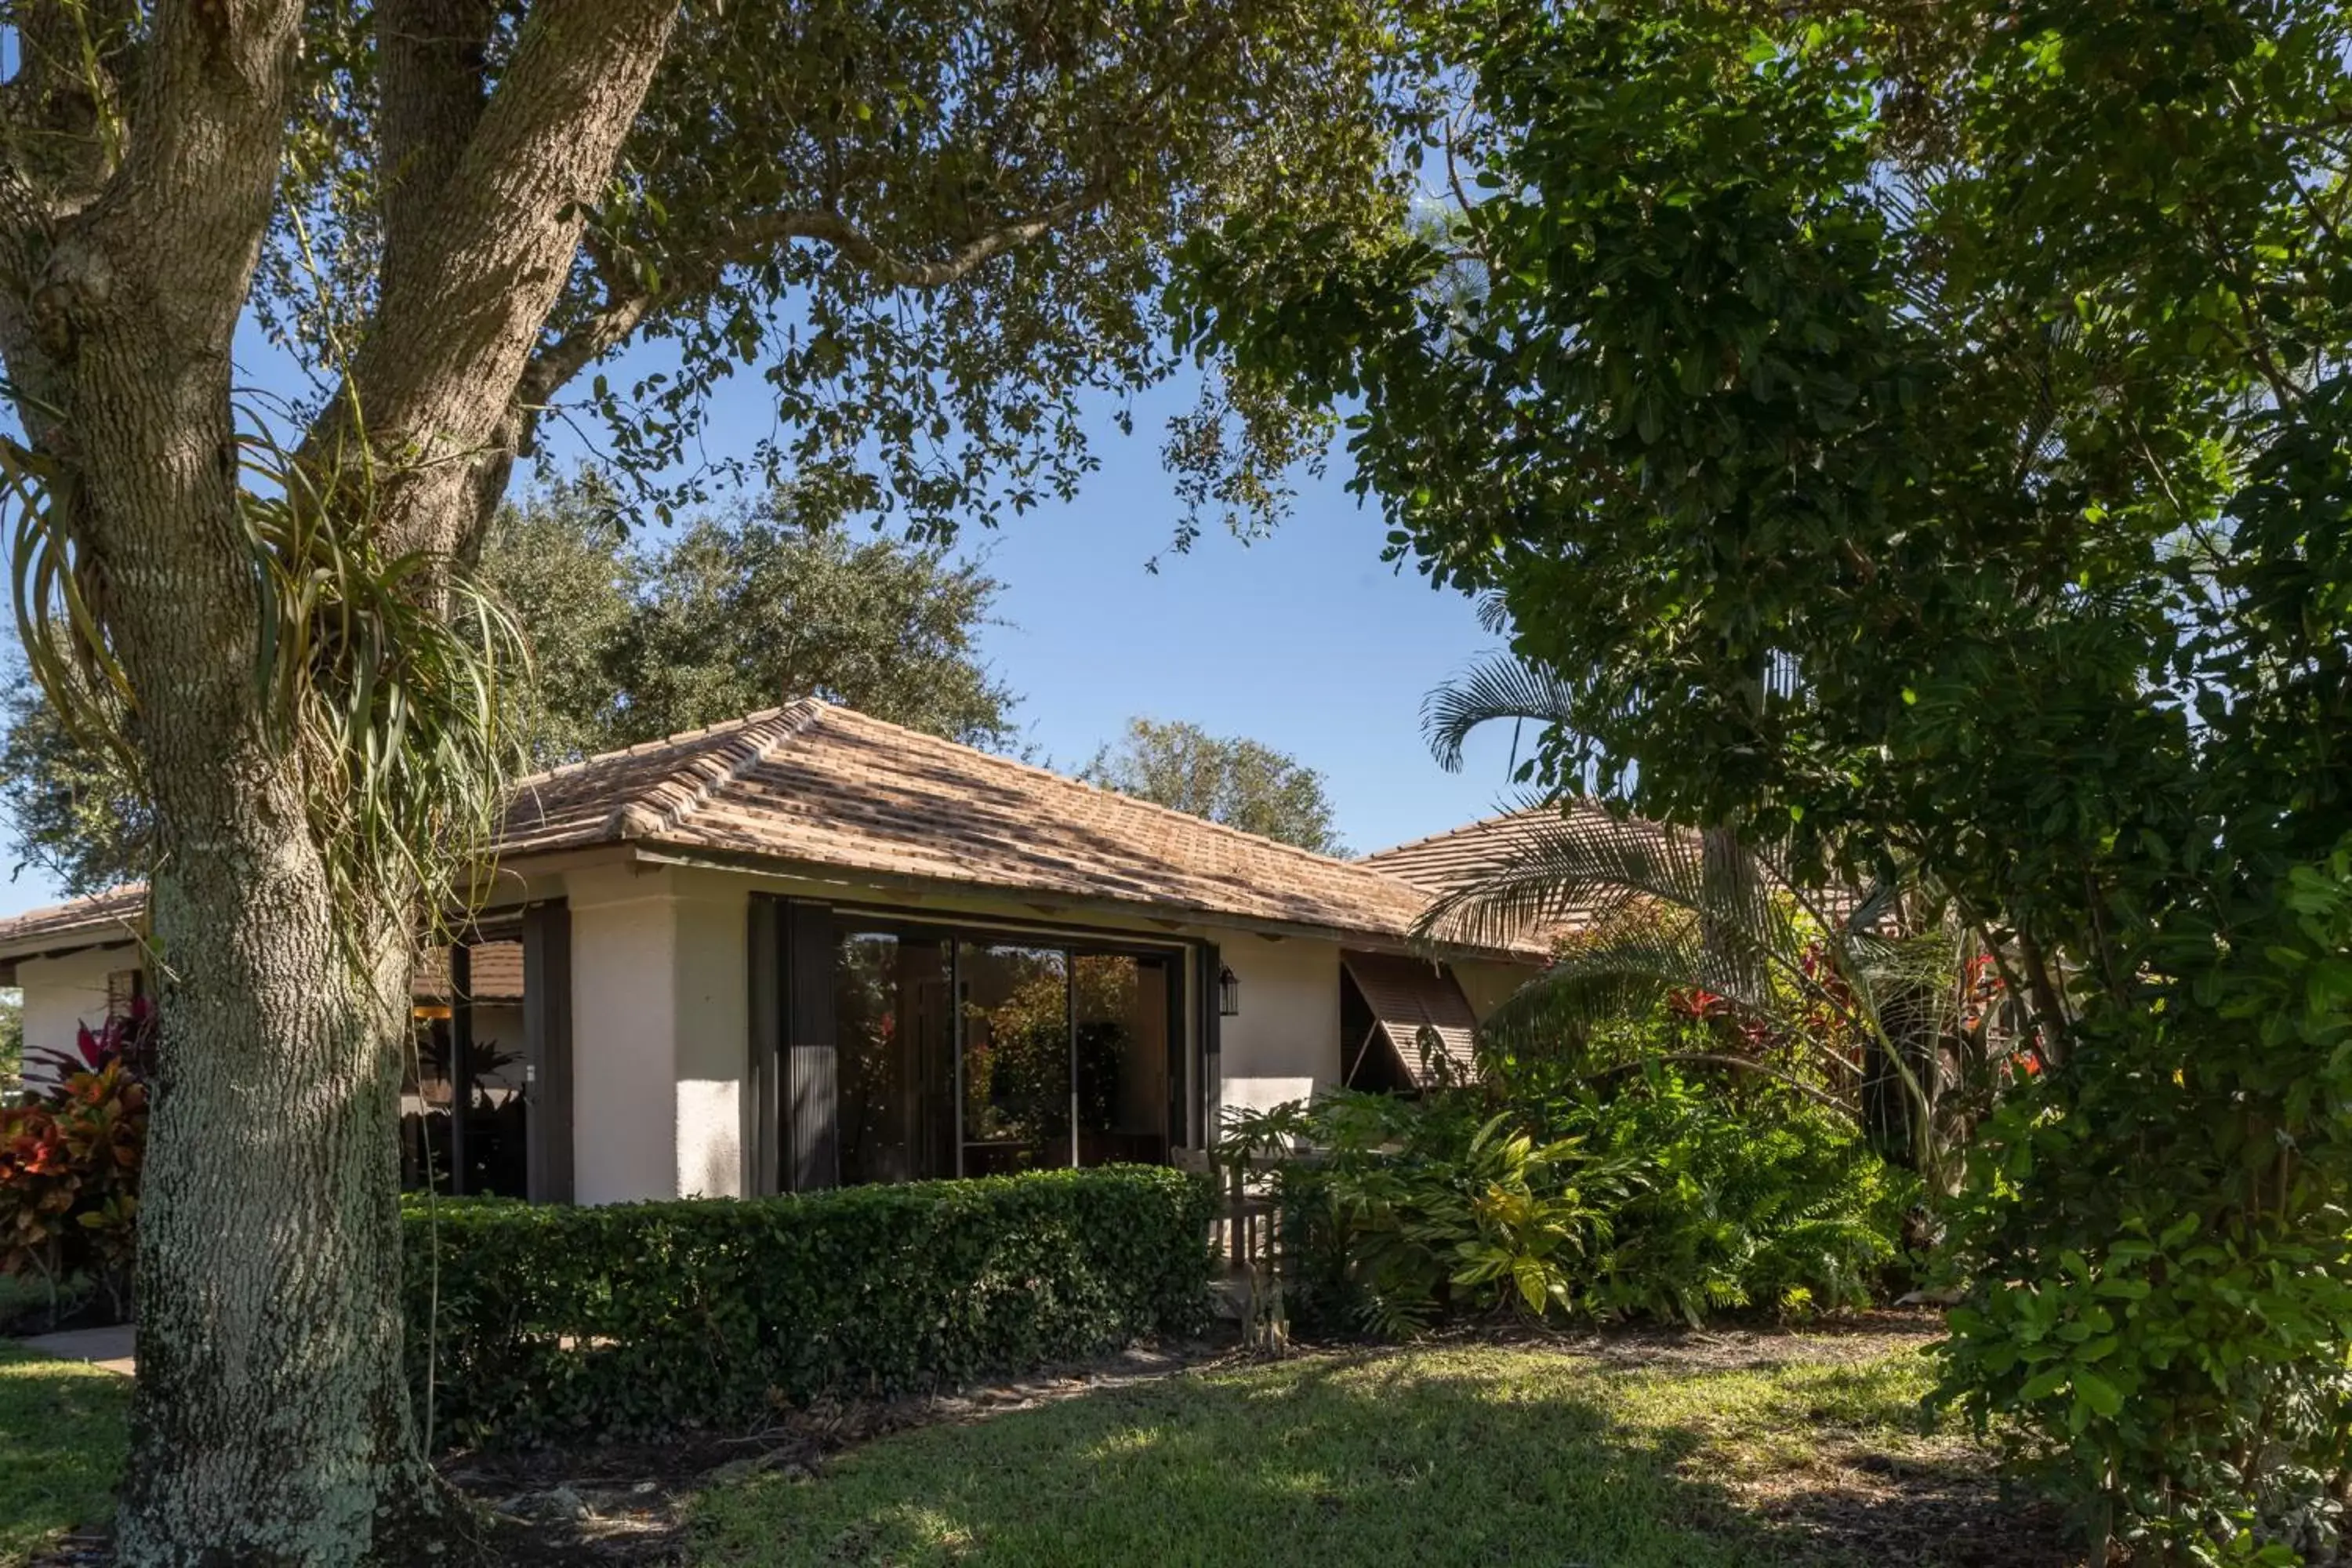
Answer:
(1425, 1457)
(61, 1448)
(1428, 1458)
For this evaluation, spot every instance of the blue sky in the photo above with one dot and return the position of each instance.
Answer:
(1306, 640)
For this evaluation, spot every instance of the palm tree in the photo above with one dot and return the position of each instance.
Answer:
(1660, 912)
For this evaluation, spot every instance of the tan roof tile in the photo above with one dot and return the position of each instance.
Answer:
(813, 784)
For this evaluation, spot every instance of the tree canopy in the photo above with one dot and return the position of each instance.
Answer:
(739, 609)
(1231, 779)
(1924, 435)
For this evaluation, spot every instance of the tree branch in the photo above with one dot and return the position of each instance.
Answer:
(431, 387)
(611, 325)
(431, 66)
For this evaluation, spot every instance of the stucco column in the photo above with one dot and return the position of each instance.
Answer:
(659, 1033)
(711, 1037)
(624, 1091)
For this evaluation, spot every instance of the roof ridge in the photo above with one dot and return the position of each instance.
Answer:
(640, 747)
(1134, 800)
(1471, 827)
(669, 801)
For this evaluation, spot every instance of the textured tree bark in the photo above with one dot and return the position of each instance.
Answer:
(272, 1421)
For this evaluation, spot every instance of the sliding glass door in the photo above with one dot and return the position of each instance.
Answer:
(1120, 1003)
(979, 1054)
(896, 1038)
(1016, 1057)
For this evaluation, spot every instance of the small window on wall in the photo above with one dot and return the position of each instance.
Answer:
(124, 989)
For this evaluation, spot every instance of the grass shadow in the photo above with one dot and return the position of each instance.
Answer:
(1422, 1459)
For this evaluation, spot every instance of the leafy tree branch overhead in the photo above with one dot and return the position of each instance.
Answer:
(919, 236)
(1919, 435)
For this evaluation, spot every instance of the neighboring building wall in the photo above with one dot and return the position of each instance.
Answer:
(1486, 983)
(1285, 1042)
(65, 993)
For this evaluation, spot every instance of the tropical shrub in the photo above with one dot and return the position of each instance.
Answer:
(1397, 1211)
(2168, 1214)
(1945, 455)
(1660, 1197)
(1771, 1200)
(535, 1322)
(70, 1156)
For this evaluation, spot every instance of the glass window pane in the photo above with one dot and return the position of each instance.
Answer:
(1122, 1059)
(1016, 1058)
(895, 1057)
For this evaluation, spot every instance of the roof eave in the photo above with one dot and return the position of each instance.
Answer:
(1167, 912)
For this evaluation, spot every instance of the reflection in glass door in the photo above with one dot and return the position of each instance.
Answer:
(1015, 1012)
(1120, 1006)
(973, 1055)
(896, 1058)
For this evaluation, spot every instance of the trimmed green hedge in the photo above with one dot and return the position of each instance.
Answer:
(641, 1318)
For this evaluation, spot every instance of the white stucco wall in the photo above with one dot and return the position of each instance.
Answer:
(661, 1027)
(624, 1091)
(1486, 983)
(710, 1000)
(659, 1034)
(1284, 1044)
(64, 993)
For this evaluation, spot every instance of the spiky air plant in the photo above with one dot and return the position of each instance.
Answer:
(386, 680)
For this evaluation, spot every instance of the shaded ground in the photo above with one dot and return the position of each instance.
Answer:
(1623, 1451)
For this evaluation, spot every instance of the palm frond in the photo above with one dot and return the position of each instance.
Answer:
(1627, 975)
(1576, 865)
(1494, 687)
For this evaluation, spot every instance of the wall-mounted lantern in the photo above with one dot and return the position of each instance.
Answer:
(1229, 993)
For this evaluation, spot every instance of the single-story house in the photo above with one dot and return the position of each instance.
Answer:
(807, 948)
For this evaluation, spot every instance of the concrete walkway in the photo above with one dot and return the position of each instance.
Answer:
(112, 1349)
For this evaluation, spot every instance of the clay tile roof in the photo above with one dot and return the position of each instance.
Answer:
(813, 784)
(497, 972)
(820, 786)
(118, 914)
(1445, 861)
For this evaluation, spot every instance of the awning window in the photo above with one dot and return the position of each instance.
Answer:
(1417, 1014)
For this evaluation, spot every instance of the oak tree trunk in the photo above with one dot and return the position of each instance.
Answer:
(272, 1420)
